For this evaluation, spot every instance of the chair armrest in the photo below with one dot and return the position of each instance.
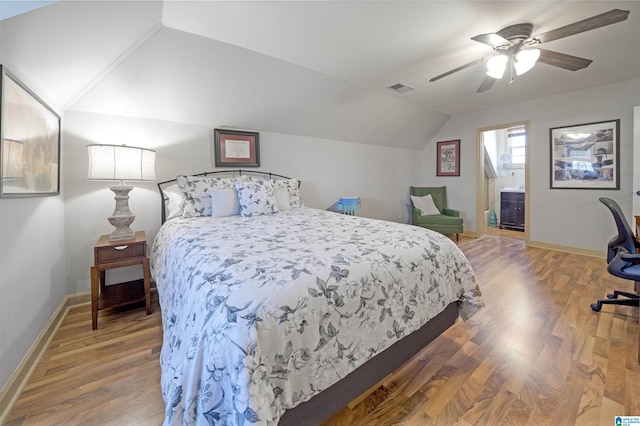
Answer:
(630, 257)
(451, 212)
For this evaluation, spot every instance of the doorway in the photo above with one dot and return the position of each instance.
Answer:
(503, 171)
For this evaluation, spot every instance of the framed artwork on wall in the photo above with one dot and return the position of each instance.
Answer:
(236, 148)
(29, 142)
(586, 156)
(448, 162)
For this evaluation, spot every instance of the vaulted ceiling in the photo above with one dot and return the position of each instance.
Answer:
(303, 67)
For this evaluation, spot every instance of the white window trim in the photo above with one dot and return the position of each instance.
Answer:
(515, 130)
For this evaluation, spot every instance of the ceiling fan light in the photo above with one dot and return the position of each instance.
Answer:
(495, 73)
(496, 66)
(525, 60)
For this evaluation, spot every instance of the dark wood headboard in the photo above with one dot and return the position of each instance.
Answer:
(224, 173)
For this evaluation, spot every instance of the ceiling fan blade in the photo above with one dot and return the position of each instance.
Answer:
(607, 18)
(491, 39)
(562, 60)
(460, 68)
(486, 84)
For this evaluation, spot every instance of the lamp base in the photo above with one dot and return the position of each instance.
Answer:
(126, 234)
(122, 216)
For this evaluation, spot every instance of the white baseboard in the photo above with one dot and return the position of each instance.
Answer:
(12, 390)
(554, 247)
(568, 249)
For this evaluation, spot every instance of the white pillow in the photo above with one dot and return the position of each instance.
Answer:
(425, 204)
(282, 198)
(256, 198)
(224, 202)
(173, 202)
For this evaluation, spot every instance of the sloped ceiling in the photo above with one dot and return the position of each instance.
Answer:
(10, 8)
(65, 47)
(243, 89)
(310, 68)
(375, 44)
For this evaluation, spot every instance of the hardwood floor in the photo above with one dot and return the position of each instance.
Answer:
(536, 354)
(506, 233)
(110, 376)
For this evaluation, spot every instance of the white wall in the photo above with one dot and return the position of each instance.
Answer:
(328, 169)
(566, 217)
(32, 278)
(32, 263)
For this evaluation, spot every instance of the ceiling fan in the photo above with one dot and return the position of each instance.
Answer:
(516, 50)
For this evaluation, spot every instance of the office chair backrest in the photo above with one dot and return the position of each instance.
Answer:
(625, 237)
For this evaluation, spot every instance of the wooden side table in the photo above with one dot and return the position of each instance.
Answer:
(111, 255)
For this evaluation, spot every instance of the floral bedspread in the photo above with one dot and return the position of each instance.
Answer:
(261, 313)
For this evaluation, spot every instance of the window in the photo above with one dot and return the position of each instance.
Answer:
(517, 139)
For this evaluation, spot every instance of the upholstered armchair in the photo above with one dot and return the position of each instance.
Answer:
(443, 220)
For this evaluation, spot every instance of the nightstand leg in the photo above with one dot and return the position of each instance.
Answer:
(95, 278)
(147, 283)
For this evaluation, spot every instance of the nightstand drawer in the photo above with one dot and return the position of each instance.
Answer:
(121, 252)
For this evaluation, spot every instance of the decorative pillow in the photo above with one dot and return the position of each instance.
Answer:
(293, 188)
(256, 197)
(173, 202)
(224, 202)
(196, 189)
(282, 198)
(425, 204)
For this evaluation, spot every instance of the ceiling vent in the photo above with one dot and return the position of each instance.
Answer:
(400, 88)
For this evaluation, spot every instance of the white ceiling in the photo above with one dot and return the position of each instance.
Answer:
(317, 68)
(378, 43)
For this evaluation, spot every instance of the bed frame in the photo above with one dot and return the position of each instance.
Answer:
(332, 399)
(362, 379)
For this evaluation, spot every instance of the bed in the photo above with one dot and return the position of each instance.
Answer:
(282, 314)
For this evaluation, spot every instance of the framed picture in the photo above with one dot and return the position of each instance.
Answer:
(586, 156)
(448, 158)
(29, 142)
(235, 148)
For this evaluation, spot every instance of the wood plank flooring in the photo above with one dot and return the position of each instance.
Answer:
(535, 355)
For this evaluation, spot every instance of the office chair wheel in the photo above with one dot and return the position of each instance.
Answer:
(612, 296)
(596, 306)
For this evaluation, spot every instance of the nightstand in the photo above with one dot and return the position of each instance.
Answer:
(110, 255)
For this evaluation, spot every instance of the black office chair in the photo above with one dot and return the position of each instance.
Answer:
(622, 259)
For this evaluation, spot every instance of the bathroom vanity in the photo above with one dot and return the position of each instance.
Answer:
(512, 208)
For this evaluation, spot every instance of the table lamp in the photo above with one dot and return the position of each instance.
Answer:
(121, 162)
(12, 160)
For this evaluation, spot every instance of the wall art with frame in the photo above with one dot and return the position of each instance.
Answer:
(236, 148)
(448, 162)
(586, 156)
(29, 141)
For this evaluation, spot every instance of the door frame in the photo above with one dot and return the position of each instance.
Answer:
(480, 176)
(635, 196)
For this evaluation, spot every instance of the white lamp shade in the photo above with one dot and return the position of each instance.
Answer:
(496, 66)
(525, 60)
(12, 159)
(121, 162)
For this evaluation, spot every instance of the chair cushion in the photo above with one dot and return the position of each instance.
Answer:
(439, 219)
